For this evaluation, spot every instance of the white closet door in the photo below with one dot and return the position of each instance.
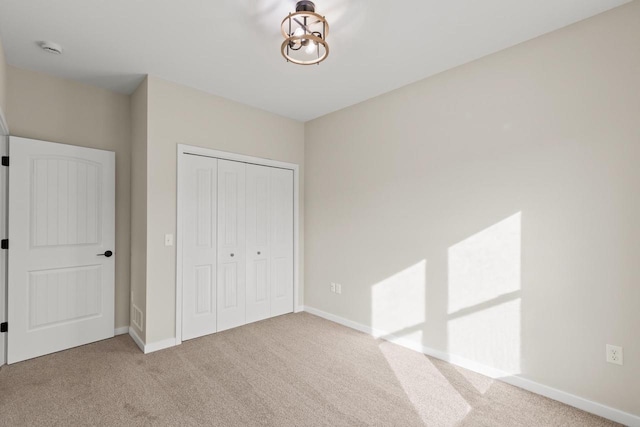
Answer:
(62, 235)
(199, 187)
(258, 250)
(231, 244)
(281, 241)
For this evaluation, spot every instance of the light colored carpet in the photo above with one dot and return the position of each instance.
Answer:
(296, 369)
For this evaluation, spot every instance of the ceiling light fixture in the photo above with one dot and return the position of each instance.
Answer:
(305, 29)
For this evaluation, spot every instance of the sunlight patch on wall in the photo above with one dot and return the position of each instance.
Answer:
(490, 336)
(484, 296)
(398, 303)
(485, 265)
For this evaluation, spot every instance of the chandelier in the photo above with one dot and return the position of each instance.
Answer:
(305, 33)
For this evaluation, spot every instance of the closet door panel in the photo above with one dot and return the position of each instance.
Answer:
(258, 223)
(199, 211)
(281, 241)
(231, 245)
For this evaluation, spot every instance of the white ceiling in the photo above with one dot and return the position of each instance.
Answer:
(231, 48)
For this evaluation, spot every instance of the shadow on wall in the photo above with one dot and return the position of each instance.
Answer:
(483, 317)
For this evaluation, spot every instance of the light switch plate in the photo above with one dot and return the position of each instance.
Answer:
(168, 239)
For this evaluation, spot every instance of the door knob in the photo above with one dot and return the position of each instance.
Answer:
(258, 253)
(231, 254)
(107, 254)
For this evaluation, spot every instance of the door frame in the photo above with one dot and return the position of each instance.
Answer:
(4, 209)
(185, 150)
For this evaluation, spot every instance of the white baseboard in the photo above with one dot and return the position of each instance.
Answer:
(159, 345)
(136, 339)
(151, 347)
(121, 331)
(518, 381)
(298, 308)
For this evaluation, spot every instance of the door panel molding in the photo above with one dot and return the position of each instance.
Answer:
(199, 242)
(231, 284)
(258, 242)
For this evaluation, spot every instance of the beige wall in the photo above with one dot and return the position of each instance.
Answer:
(52, 109)
(492, 211)
(3, 81)
(178, 114)
(139, 123)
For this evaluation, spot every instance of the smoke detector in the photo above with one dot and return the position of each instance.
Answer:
(51, 47)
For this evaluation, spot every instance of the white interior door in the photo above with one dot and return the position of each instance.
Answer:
(231, 244)
(257, 237)
(61, 226)
(199, 186)
(281, 241)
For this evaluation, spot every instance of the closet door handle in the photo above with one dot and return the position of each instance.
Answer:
(231, 254)
(258, 253)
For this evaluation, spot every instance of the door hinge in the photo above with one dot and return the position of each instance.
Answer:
(4, 327)
(5, 160)
(5, 244)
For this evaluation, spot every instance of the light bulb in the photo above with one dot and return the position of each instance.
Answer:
(311, 48)
(298, 32)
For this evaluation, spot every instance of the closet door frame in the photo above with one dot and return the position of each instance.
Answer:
(184, 150)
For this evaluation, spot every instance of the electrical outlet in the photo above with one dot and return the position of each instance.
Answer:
(614, 354)
(333, 287)
(338, 288)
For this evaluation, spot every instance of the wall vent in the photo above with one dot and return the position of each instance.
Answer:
(137, 317)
